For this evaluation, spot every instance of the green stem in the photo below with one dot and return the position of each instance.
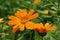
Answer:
(13, 36)
(31, 35)
(42, 38)
(37, 36)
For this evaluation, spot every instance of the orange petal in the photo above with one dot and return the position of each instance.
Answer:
(13, 18)
(23, 13)
(18, 14)
(53, 28)
(21, 26)
(15, 28)
(33, 16)
(47, 24)
(31, 12)
(40, 25)
(30, 25)
(13, 22)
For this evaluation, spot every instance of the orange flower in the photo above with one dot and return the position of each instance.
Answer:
(40, 27)
(21, 18)
(45, 28)
(1, 20)
(37, 1)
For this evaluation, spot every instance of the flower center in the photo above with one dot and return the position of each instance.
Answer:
(24, 20)
(42, 30)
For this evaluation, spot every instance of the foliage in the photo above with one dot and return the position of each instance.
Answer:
(9, 7)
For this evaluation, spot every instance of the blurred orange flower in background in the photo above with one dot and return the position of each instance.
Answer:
(37, 1)
(20, 19)
(1, 20)
(45, 28)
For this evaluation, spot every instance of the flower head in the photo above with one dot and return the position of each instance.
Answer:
(21, 18)
(45, 28)
(45, 11)
(1, 20)
(37, 1)
(40, 28)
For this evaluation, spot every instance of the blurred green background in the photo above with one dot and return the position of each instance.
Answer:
(9, 7)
